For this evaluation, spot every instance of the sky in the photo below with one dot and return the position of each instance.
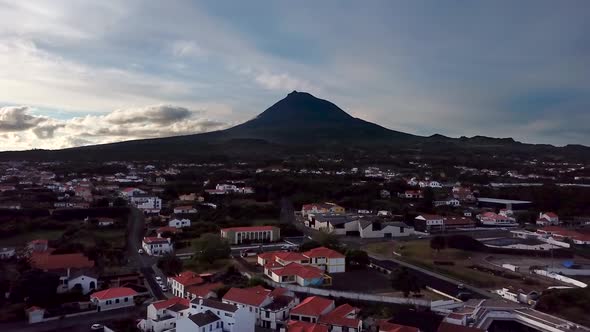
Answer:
(76, 73)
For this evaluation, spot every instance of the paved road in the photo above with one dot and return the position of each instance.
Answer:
(79, 323)
(144, 263)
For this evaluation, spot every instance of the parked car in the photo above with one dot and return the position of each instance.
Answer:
(164, 288)
(96, 327)
(158, 279)
(140, 251)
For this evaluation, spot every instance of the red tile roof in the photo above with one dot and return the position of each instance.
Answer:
(323, 252)
(290, 256)
(188, 278)
(249, 229)
(45, 261)
(253, 296)
(430, 216)
(298, 326)
(385, 326)
(39, 241)
(564, 232)
(203, 290)
(170, 302)
(337, 317)
(152, 239)
(170, 229)
(112, 293)
(448, 327)
(302, 271)
(312, 306)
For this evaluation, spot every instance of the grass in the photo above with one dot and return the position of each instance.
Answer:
(22, 239)
(198, 267)
(419, 253)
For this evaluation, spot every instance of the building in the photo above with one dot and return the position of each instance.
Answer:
(130, 192)
(271, 307)
(326, 259)
(547, 218)
(300, 326)
(429, 223)
(562, 234)
(233, 318)
(452, 223)
(179, 284)
(453, 202)
(113, 298)
(497, 203)
(186, 209)
(382, 229)
(412, 194)
(157, 246)
(7, 253)
(251, 234)
(146, 203)
(303, 275)
(39, 245)
(494, 219)
(162, 315)
(203, 291)
(311, 308)
(179, 223)
(72, 269)
(386, 326)
(321, 208)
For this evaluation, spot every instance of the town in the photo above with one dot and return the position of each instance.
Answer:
(327, 247)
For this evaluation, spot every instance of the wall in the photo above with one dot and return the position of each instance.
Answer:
(570, 272)
(561, 278)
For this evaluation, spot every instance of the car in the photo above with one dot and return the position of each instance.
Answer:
(160, 282)
(164, 288)
(96, 327)
(461, 286)
(158, 278)
(140, 251)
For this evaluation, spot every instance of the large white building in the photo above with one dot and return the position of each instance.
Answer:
(179, 223)
(495, 219)
(147, 204)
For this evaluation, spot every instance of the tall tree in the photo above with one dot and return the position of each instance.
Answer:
(170, 264)
(438, 243)
(402, 280)
(210, 247)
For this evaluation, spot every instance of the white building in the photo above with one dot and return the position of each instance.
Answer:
(156, 246)
(187, 209)
(148, 204)
(7, 253)
(547, 218)
(326, 259)
(371, 229)
(494, 219)
(87, 281)
(179, 223)
(130, 192)
(179, 284)
(233, 318)
(113, 298)
(163, 315)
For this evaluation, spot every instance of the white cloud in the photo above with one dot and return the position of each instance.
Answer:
(21, 130)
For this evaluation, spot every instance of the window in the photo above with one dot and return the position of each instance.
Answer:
(117, 301)
(126, 299)
(211, 327)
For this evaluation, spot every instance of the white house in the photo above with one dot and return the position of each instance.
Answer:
(113, 298)
(327, 259)
(163, 315)
(233, 318)
(494, 219)
(547, 218)
(375, 229)
(148, 204)
(87, 281)
(179, 223)
(186, 209)
(205, 321)
(130, 192)
(311, 308)
(429, 222)
(7, 253)
(156, 246)
(179, 284)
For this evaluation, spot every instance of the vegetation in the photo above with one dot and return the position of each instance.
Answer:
(438, 243)
(357, 259)
(572, 304)
(402, 280)
(211, 247)
(170, 264)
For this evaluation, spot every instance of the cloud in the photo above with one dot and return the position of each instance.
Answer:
(16, 119)
(26, 131)
(185, 48)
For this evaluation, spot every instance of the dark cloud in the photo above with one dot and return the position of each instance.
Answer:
(161, 114)
(15, 118)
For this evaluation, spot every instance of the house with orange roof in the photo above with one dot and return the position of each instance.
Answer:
(385, 326)
(342, 318)
(157, 246)
(162, 315)
(178, 284)
(299, 326)
(113, 298)
(321, 208)
(327, 259)
(311, 308)
(204, 291)
(547, 219)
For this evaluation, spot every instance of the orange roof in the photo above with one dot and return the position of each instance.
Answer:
(338, 317)
(112, 293)
(253, 296)
(249, 229)
(312, 306)
(302, 271)
(448, 327)
(170, 229)
(298, 326)
(564, 232)
(170, 302)
(385, 326)
(39, 241)
(153, 239)
(45, 261)
(188, 278)
(323, 252)
(430, 216)
(203, 290)
(290, 256)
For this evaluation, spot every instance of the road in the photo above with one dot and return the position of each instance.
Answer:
(144, 263)
(79, 323)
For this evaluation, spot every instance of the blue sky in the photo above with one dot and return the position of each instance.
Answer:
(82, 72)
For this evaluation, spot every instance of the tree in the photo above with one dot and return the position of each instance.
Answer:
(428, 199)
(308, 245)
(402, 280)
(36, 287)
(210, 247)
(328, 240)
(438, 243)
(170, 264)
(357, 258)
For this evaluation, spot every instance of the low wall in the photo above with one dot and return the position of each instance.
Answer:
(561, 278)
(570, 272)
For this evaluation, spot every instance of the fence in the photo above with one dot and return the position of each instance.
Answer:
(561, 278)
